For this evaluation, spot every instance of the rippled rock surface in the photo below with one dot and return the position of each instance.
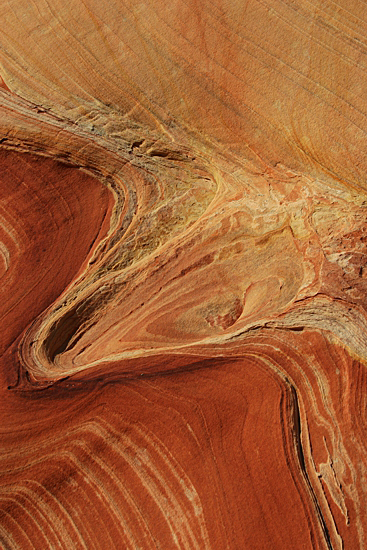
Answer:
(183, 257)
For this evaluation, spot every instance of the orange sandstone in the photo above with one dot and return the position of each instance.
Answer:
(183, 268)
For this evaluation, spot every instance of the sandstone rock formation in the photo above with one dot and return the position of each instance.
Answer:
(184, 275)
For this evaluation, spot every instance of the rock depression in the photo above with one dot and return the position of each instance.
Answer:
(183, 244)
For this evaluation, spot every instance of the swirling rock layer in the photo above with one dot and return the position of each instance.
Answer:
(183, 264)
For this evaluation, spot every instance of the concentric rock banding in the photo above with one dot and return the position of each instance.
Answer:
(183, 267)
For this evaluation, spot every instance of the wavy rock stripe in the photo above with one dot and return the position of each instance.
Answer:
(154, 476)
(152, 491)
(183, 266)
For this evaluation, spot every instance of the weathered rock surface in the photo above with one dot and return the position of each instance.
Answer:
(183, 244)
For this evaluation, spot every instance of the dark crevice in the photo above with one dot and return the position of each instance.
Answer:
(69, 329)
(136, 145)
(297, 430)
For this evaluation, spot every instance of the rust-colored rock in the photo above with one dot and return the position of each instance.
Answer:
(183, 264)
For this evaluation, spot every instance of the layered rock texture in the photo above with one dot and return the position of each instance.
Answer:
(183, 255)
